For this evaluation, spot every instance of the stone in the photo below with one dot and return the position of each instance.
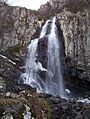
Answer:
(7, 116)
(8, 94)
(21, 25)
(55, 100)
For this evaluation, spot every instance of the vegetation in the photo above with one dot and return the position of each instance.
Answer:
(16, 48)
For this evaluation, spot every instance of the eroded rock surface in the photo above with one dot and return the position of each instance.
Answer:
(17, 27)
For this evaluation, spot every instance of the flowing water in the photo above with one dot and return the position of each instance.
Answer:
(54, 79)
(30, 76)
(44, 29)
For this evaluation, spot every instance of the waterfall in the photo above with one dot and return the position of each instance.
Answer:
(44, 29)
(53, 84)
(31, 76)
(31, 66)
(54, 81)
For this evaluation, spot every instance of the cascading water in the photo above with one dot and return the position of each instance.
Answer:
(30, 76)
(44, 29)
(53, 83)
(31, 66)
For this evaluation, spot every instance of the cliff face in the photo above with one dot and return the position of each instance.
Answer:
(75, 4)
(76, 32)
(17, 26)
(74, 17)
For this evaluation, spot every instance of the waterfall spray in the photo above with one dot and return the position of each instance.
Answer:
(53, 83)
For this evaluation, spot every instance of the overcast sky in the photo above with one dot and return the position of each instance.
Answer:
(30, 4)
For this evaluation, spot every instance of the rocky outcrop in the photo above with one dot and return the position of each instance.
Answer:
(71, 5)
(26, 104)
(29, 105)
(17, 27)
(19, 24)
(75, 25)
(63, 109)
(74, 17)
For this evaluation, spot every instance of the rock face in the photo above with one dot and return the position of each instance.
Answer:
(76, 32)
(29, 104)
(17, 27)
(19, 24)
(62, 109)
(77, 4)
(74, 19)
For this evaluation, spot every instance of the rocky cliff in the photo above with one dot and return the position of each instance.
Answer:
(17, 27)
(18, 24)
(74, 17)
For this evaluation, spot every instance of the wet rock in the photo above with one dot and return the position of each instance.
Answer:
(2, 85)
(74, 19)
(42, 54)
(55, 100)
(7, 116)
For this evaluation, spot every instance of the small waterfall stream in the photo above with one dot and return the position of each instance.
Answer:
(54, 79)
(53, 83)
(44, 29)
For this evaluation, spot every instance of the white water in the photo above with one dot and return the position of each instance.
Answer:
(31, 76)
(31, 66)
(44, 29)
(54, 81)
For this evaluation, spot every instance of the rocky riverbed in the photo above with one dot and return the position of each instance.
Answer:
(39, 106)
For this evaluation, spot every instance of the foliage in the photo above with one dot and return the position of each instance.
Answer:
(16, 48)
(47, 109)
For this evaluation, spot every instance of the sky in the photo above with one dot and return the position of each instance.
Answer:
(30, 4)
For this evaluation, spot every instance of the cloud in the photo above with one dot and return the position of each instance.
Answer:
(30, 4)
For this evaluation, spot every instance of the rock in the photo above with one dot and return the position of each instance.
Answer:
(7, 116)
(42, 55)
(8, 94)
(67, 90)
(76, 5)
(2, 85)
(21, 25)
(55, 100)
(27, 113)
(22, 107)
